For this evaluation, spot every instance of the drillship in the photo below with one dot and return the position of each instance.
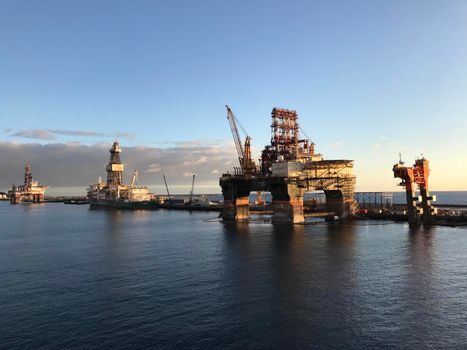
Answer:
(114, 193)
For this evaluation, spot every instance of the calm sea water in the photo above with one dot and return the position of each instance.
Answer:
(75, 278)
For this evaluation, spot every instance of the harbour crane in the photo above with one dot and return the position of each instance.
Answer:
(166, 187)
(192, 188)
(247, 165)
(134, 179)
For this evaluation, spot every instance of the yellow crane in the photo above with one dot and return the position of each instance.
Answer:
(247, 165)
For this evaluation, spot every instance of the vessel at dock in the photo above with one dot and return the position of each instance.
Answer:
(114, 194)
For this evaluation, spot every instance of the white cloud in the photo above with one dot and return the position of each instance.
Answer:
(50, 134)
(34, 134)
(153, 168)
(203, 159)
(76, 164)
(336, 145)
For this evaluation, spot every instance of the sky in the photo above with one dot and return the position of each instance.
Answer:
(369, 80)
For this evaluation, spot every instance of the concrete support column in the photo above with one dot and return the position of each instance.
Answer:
(287, 203)
(14, 198)
(236, 202)
(236, 209)
(413, 214)
(338, 203)
(427, 208)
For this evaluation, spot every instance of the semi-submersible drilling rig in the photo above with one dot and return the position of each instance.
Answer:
(288, 168)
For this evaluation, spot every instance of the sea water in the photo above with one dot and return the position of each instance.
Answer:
(76, 278)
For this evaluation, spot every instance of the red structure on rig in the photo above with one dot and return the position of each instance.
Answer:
(286, 144)
(416, 175)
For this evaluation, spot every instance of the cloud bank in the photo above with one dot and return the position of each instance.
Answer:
(51, 134)
(63, 165)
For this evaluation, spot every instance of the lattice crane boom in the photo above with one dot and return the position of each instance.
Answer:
(134, 179)
(236, 135)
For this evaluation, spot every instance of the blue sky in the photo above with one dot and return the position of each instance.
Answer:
(369, 79)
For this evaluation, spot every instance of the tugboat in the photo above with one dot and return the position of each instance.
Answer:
(114, 193)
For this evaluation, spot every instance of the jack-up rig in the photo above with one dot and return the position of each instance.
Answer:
(288, 168)
(31, 191)
(412, 176)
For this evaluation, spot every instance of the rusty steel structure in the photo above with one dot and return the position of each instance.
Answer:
(416, 175)
(31, 191)
(288, 168)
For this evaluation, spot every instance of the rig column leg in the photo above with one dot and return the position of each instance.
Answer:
(236, 204)
(337, 203)
(287, 204)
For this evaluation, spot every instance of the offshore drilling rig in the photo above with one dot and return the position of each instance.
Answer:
(288, 168)
(114, 193)
(410, 177)
(31, 191)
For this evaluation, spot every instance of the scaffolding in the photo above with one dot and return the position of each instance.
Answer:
(375, 200)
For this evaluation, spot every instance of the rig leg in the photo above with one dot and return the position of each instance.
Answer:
(339, 204)
(236, 205)
(14, 198)
(287, 204)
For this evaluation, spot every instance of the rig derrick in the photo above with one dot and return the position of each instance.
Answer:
(288, 168)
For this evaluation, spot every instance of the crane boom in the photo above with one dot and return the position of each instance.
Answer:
(134, 179)
(235, 134)
(166, 187)
(192, 188)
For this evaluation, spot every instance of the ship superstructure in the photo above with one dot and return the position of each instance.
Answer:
(31, 191)
(114, 193)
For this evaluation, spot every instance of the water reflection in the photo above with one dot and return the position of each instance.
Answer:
(114, 220)
(421, 256)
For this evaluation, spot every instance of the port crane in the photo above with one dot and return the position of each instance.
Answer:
(247, 166)
(166, 187)
(134, 179)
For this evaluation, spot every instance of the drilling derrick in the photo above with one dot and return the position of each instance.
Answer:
(284, 130)
(115, 193)
(27, 177)
(412, 176)
(115, 166)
